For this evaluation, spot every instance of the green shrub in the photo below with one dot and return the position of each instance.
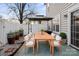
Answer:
(21, 32)
(20, 29)
(42, 30)
(63, 35)
(10, 34)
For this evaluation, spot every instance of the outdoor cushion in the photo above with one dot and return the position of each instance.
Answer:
(56, 43)
(30, 34)
(58, 38)
(52, 34)
(26, 38)
(29, 43)
(32, 38)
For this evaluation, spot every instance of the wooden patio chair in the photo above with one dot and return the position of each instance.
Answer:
(53, 35)
(57, 43)
(29, 42)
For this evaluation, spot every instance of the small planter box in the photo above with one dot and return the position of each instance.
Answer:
(64, 37)
(16, 35)
(21, 32)
(10, 38)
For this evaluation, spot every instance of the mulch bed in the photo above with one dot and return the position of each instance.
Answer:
(11, 49)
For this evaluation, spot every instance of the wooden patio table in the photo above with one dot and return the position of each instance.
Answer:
(43, 36)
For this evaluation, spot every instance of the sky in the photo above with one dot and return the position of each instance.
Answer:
(4, 12)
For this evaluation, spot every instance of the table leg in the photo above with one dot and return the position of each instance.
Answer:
(37, 46)
(33, 50)
(50, 46)
(52, 50)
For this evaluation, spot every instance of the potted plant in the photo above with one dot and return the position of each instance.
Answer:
(17, 35)
(42, 31)
(64, 37)
(21, 32)
(11, 38)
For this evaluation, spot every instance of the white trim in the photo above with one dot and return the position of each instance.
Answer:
(59, 22)
(56, 32)
(67, 6)
(69, 29)
(74, 8)
(74, 46)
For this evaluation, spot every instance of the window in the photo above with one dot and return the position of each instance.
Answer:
(75, 28)
(53, 27)
(56, 27)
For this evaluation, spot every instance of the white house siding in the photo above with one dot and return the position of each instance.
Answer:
(54, 8)
(61, 9)
(64, 20)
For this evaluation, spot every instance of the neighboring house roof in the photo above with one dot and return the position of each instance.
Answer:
(39, 18)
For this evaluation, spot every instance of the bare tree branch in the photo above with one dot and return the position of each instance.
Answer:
(20, 10)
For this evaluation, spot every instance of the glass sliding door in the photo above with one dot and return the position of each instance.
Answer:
(75, 28)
